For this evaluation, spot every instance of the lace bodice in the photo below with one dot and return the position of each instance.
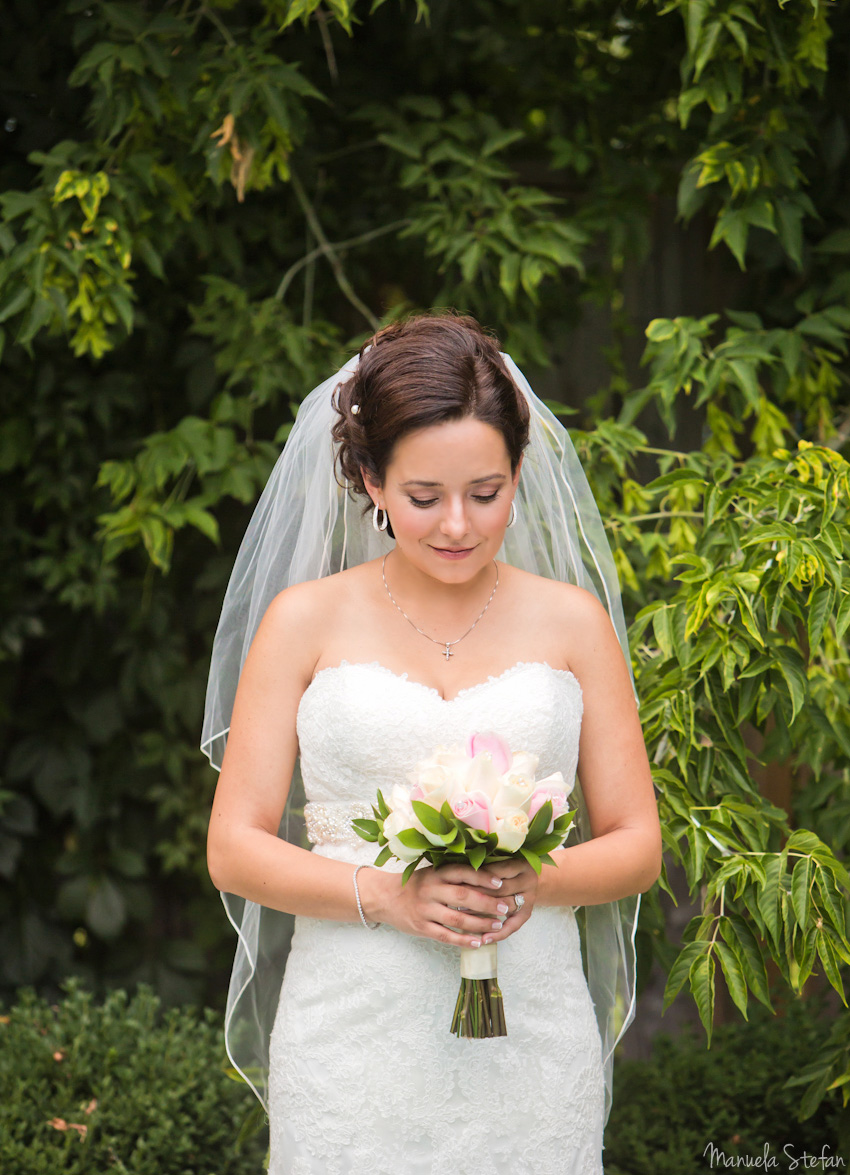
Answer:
(362, 727)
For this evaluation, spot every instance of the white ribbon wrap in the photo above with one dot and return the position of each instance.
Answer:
(478, 962)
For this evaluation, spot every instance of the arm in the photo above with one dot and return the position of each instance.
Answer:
(624, 856)
(245, 856)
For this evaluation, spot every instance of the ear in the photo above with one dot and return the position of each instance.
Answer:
(373, 488)
(515, 478)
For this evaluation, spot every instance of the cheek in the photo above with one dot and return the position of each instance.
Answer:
(411, 520)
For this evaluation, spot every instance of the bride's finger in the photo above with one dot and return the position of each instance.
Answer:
(466, 875)
(466, 921)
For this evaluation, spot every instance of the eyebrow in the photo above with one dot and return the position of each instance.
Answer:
(436, 484)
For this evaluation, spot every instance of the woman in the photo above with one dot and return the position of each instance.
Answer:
(362, 666)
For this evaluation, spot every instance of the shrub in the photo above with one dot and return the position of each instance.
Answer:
(668, 1110)
(119, 1087)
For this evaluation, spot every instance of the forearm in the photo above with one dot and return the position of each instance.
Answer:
(254, 864)
(608, 867)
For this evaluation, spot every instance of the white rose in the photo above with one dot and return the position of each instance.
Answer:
(395, 823)
(400, 802)
(482, 776)
(515, 792)
(523, 765)
(512, 828)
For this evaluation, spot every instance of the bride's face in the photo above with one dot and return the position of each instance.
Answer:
(448, 491)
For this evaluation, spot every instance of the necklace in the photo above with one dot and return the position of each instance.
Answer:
(448, 644)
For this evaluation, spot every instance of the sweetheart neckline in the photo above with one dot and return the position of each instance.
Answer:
(430, 689)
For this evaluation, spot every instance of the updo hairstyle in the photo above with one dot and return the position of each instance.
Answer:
(423, 371)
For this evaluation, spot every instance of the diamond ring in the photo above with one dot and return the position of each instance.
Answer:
(520, 901)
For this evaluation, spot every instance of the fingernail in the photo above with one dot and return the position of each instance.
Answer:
(497, 926)
(502, 908)
(487, 941)
(497, 882)
(476, 942)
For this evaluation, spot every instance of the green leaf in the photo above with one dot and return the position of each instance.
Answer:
(405, 877)
(384, 856)
(540, 823)
(431, 819)
(734, 976)
(768, 898)
(545, 843)
(801, 881)
(750, 954)
(831, 965)
(676, 477)
(701, 977)
(533, 859)
(477, 855)
(820, 610)
(680, 970)
(368, 829)
(106, 911)
(404, 146)
(15, 303)
(791, 669)
(412, 838)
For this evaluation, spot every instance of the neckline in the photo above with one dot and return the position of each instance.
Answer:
(567, 674)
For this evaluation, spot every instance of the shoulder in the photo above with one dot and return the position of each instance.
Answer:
(562, 602)
(298, 616)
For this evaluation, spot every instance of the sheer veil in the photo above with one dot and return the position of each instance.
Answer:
(306, 526)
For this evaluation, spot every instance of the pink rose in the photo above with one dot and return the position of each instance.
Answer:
(548, 791)
(487, 742)
(475, 810)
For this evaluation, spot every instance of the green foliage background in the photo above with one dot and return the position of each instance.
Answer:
(207, 205)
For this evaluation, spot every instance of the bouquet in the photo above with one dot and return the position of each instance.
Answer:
(475, 805)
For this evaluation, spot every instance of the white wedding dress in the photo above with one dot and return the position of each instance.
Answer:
(365, 1077)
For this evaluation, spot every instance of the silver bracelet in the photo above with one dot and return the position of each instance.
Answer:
(368, 925)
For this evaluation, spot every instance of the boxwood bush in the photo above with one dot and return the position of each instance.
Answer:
(120, 1086)
(668, 1110)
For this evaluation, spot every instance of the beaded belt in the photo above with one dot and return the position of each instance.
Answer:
(330, 824)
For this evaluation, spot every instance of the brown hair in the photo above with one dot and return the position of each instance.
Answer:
(423, 371)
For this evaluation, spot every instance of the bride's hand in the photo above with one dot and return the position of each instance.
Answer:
(519, 881)
(456, 904)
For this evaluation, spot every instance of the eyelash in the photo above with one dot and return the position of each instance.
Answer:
(478, 498)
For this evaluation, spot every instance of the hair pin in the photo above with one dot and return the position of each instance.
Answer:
(355, 408)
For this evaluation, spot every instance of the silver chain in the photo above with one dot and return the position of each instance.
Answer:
(447, 644)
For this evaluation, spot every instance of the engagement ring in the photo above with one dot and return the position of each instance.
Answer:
(520, 901)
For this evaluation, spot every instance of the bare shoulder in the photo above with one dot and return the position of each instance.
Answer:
(563, 602)
(297, 619)
(293, 622)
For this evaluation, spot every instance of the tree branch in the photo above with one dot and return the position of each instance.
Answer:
(327, 249)
(296, 268)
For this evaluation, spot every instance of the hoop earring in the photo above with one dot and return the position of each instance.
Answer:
(383, 525)
(513, 513)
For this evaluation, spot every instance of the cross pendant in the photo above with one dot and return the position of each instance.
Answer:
(449, 653)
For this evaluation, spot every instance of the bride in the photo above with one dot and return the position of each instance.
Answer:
(352, 643)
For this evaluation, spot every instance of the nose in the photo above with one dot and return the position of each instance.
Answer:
(454, 523)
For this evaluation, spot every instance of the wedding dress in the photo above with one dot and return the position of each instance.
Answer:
(365, 1077)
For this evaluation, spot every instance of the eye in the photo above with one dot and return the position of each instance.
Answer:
(486, 497)
(419, 502)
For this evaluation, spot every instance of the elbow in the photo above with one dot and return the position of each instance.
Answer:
(215, 864)
(653, 869)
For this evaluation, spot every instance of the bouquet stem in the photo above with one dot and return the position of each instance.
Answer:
(479, 1011)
